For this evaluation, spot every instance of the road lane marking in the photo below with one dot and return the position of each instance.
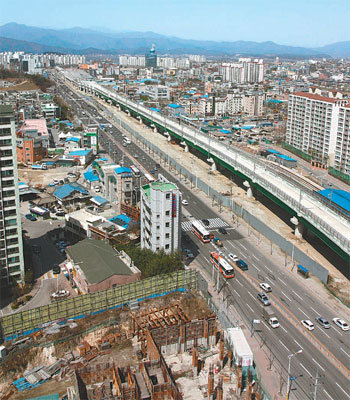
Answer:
(268, 269)
(237, 293)
(255, 267)
(251, 295)
(243, 247)
(298, 344)
(318, 365)
(298, 295)
(317, 313)
(342, 390)
(323, 331)
(282, 281)
(284, 345)
(328, 395)
(303, 312)
(255, 257)
(345, 352)
(338, 332)
(266, 325)
(285, 296)
(305, 369)
(239, 282)
(283, 328)
(270, 280)
(250, 307)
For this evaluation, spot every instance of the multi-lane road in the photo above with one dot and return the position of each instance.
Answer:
(288, 295)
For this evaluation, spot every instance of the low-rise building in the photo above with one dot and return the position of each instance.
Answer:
(95, 266)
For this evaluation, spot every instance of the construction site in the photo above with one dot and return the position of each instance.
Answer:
(171, 347)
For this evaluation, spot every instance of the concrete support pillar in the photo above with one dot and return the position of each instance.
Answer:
(127, 112)
(155, 129)
(213, 167)
(140, 120)
(249, 193)
(211, 383)
(298, 227)
(186, 148)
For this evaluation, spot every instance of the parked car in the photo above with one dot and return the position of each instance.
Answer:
(55, 182)
(341, 323)
(59, 294)
(184, 202)
(263, 299)
(60, 213)
(205, 222)
(31, 217)
(97, 189)
(242, 265)
(223, 231)
(61, 182)
(266, 287)
(323, 322)
(274, 322)
(56, 269)
(307, 324)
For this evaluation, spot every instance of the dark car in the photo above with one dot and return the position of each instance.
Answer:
(242, 265)
(31, 217)
(56, 269)
(157, 165)
(223, 231)
(61, 182)
(205, 222)
(323, 322)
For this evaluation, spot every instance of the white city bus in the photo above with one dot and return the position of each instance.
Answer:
(149, 178)
(222, 265)
(199, 230)
(135, 171)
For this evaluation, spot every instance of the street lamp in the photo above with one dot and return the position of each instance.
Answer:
(289, 359)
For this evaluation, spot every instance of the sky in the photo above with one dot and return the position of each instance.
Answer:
(293, 22)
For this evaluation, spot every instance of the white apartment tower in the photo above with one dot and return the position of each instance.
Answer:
(319, 126)
(161, 216)
(11, 246)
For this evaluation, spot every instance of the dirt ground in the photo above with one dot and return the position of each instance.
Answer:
(22, 86)
(44, 177)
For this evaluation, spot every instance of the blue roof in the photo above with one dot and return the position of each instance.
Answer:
(302, 268)
(101, 159)
(121, 220)
(155, 109)
(73, 139)
(272, 151)
(174, 106)
(100, 200)
(66, 190)
(285, 157)
(79, 153)
(90, 176)
(122, 170)
(339, 197)
(21, 183)
(225, 131)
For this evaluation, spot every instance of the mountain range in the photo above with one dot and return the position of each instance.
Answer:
(19, 37)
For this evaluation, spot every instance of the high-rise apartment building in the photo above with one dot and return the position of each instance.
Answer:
(319, 126)
(11, 247)
(161, 216)
(243, 71)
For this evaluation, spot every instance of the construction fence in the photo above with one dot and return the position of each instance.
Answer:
(227, 201)
(26, 322)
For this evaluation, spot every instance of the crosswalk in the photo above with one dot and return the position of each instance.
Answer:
(214, 223)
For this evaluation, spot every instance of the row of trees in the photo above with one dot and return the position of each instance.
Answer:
(150, 263)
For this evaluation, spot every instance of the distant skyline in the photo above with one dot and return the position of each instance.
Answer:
(308, 23)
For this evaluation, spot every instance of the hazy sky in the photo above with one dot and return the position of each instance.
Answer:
(294, 22)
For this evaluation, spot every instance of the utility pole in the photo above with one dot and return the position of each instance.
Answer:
(317, 378)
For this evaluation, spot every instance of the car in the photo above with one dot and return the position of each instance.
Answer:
(157, 165)
(274, 322)
(341, 323)
(223, 231)
(323, 322)
(60, 294)
(264, 299)
(205, 222)
(233, 257)
(153, 171)
(55, 182)
(56, 269)
(71, 175)
(66, 180)
(97, 189)
(184, 202)
(31, 217)
(60, 213)
(61, 182)
(136, 156)
(266, 287)
(242, 265)
(307, 324)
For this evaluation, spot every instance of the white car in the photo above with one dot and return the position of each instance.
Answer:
(97, 189)
(274, 322)
(266, 287)
(344, 326)
(233, 257)
(60, 294)
(184, 202)
(308, 324)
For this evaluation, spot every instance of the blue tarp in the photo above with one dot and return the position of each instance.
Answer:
(122, 170)
(66, 190)
(339, 197)
(225, 131)
(272, 151)
(174, 106)
(90, 176)
(73, 139)
(79, 153)
(121, 220)
(154, 109)
(302, 268)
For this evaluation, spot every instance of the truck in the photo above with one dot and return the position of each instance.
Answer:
(38, 166)
(218, 242)
(270, 317)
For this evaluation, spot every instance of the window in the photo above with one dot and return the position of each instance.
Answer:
(167, 246)
(167, 224)
(167, 213)
(167, 235)
(167, 196)
(158, 237)
(158, 226)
